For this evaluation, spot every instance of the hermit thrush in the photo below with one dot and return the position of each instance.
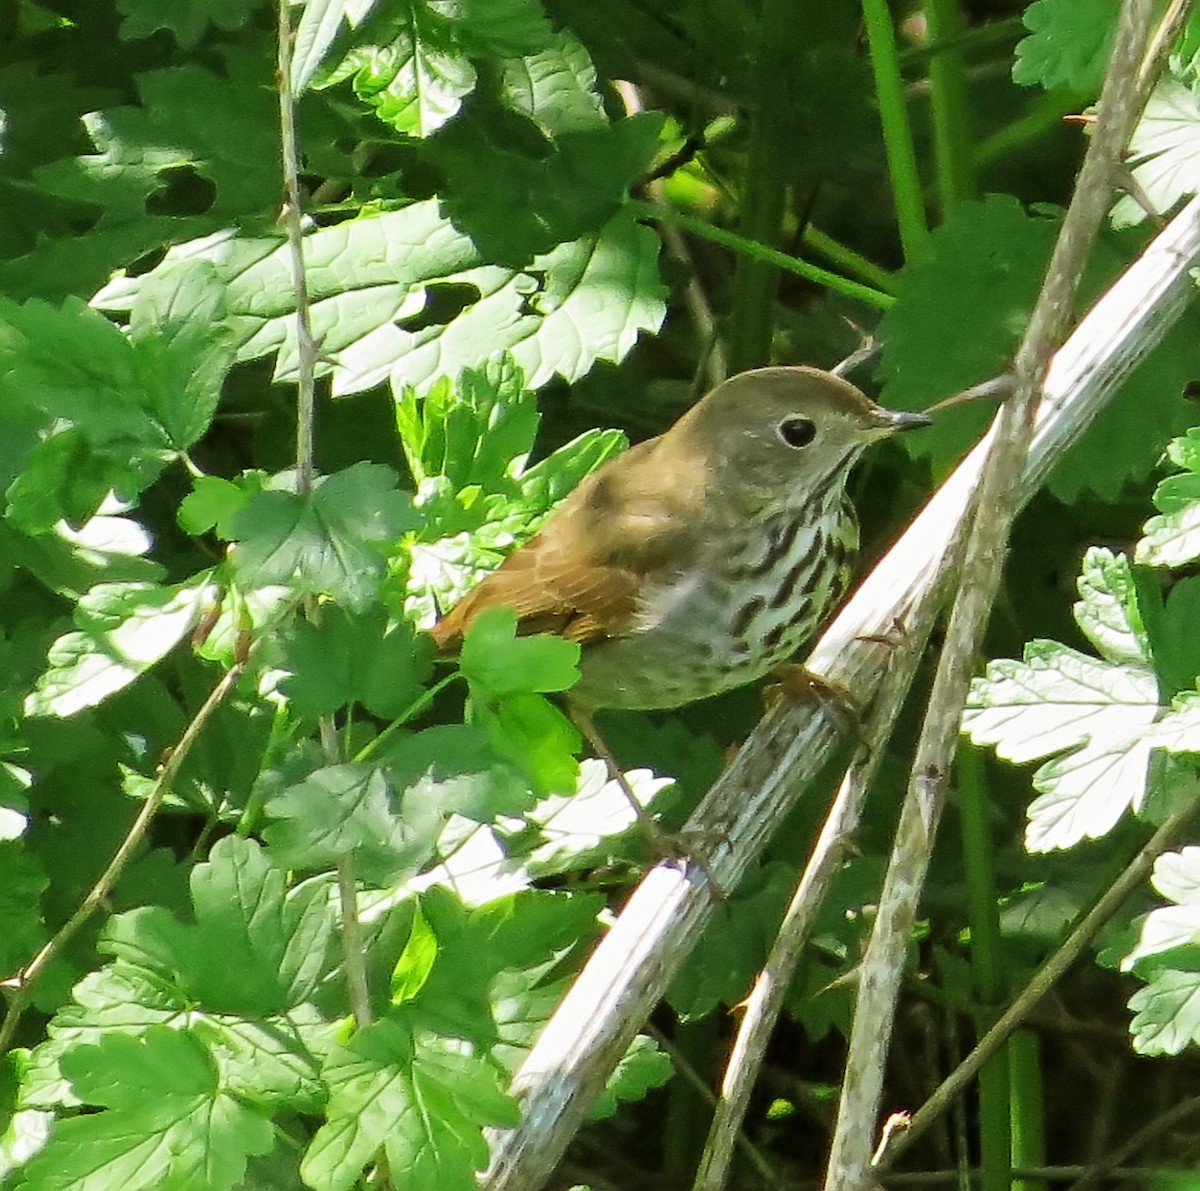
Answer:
(699, 560)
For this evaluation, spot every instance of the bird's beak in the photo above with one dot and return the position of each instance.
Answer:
(892, 421)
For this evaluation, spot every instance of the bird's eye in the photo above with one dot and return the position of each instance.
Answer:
(796, 432)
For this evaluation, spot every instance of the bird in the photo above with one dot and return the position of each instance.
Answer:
(702, 559)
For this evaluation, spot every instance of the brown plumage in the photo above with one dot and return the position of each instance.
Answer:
(699, 559)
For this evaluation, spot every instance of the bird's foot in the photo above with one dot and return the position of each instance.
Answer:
(801, 685)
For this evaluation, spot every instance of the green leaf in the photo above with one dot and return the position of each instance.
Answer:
(1173, 539)
(643, 1068)
(1167, 956)
(416, 960)
(123, 630)
(519, 932)
(1059, 700)
(219, 127)
(1068, 45)
(734, 945)
(478, 432)
(331, 542)
(188, 20)
(168, 1123)
(185, 347)
(1107, 611)
(350, 808)
(989, 258)
(453, 767)
(555, 87)
(413, 71)
(535, 736)
(22, 930)
(1164, 152)
(498, 663)
(514, 205)
(212, 504)
(583, 301)
(350, 658)
(423, 1101)
(256, 949)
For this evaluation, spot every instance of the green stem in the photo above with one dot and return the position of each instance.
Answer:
(414, 708)
(987, 964)
(953, 150)
(761, 252)
(1045, 113)
(847, 259)
(980, 37)
(897, 131)
(764, 192)
(1028, 1108)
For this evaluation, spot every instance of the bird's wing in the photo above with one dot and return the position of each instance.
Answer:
(552, 590)
(584, 574)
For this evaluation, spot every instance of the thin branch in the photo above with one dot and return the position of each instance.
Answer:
(23, 983)
(306, 346)
(985, 548)
(353, 955)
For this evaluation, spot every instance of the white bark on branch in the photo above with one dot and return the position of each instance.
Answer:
(633, 965)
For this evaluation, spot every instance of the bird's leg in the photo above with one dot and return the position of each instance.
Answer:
(584, 722)
(663, 843)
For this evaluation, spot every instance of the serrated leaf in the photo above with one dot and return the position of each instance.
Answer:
(555, 87)
(1056, 700)
(415, 75)
(642, 1068)
(188, 21)
(1173, 539)
(124, 629)
(1166, 1014)
(583, 301)
(1108, 610)
(424, 1101)
(514, 205)
(348, 658)
(1068, 44)
(454, 768)
(990, 258)
(255, 949)
(168, 1123)
(331, 542)
(350, 808)
(1164, 152)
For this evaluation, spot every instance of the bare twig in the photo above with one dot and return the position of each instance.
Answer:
(353, 954)
(22, 984)
(883, 963)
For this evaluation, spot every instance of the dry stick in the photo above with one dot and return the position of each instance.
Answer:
(1111, 1161)
(631, 968)
(884, 960)
(24, 981)
(1044, 978)
(353, 954)
(765, 1002)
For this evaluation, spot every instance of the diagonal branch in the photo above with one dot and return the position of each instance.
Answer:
(633, 965)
